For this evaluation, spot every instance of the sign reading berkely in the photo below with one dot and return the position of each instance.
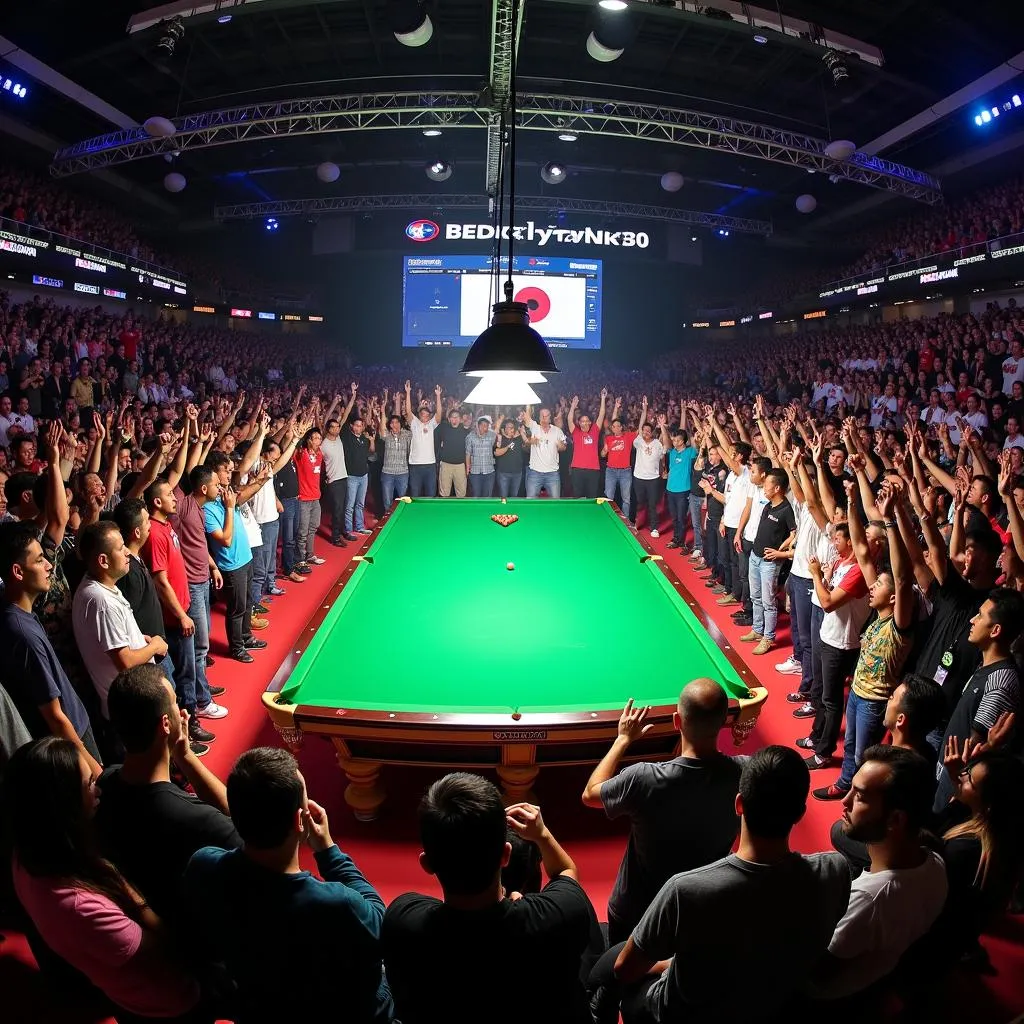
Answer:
(428, 231)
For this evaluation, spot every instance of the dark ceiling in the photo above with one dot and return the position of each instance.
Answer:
(280, 49)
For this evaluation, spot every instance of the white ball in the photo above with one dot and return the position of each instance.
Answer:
(159, 127)
(175, 182)
(840, 149)
(328, 172)
(806, 203)
(671, 181)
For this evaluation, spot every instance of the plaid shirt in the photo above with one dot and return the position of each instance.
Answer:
(396, 452)
(480, 451)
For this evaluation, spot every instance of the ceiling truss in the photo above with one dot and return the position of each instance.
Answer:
(537, 111)
(506, 28)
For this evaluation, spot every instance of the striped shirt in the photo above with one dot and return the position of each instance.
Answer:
(396, 452)
(480, 451)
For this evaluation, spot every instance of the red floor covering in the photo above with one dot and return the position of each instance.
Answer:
(386, 849)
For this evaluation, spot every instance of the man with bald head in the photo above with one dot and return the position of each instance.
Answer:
(682, 812)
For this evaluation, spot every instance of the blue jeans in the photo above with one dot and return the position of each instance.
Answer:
(264, 561)
(355, 501)
(199, 613)
(623, 479)
(763, 577)
(289, 523)
(535, 480)
(393, 485)
(799, 590)
(481, 485)
(423, 480)
(864, 727)
(182, 651)
(509, 484)
(697, 519)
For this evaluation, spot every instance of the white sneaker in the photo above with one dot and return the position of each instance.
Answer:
(790, 667)
(316, 560)
(212, 711)
(654, 533)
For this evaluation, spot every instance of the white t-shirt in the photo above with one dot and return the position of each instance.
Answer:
(882, 408)
(264, 502)
(1013, 370)
(737, 490)
(978, 420)
(648, 458)
(25, 421)
(544, 454)
(808, 540)
(841, 628)
(334, 459)
(888, 911)
(421, 443)
(757, 506)
(103, 621)
(1014, 442)
(5, 425)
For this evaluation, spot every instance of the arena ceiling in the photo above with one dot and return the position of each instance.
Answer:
(287, 50)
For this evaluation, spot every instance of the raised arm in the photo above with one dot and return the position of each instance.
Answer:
(1005, 483)
(601, 410)
(353, 391)
(572, 413)
(899, 561)
(858, 538)
(409, 415)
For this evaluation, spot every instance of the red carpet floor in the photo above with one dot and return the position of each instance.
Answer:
(387, 848)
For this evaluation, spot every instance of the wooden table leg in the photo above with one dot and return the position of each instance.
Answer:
(517, 782)
(363, 794)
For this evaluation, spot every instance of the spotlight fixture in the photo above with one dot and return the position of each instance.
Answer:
(410, 22)
(173, 30)
(439, 170)
(693, 238)
(567, 136)
(431, 133)
(723, 232)
(760, 40)
(834, 62)
(553, 173)
(271, 224)
(613, 31)
(223, 19)
(612, 5)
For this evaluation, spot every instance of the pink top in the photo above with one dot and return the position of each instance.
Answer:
(95, 936)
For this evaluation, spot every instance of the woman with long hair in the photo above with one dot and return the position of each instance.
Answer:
(82, 906)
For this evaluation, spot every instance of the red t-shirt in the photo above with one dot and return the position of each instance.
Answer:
(130, 340)
(585, 449)
(619, 448)
(308, 471)
(162, 553)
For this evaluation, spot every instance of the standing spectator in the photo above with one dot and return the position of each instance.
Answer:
(546, 442)
(663, 799)
(648, 469)
(82, 390)
(737, 498)
(446, 959)
(681, 457)
(618, 473)
(480, 457)
(334, 487)
(358, 447)
(508, 459)
(395, 441)
(451, 450)
(264, 504)
(309, 461)
(254, 895)
(585, 469)
(422, 452)
(31, 672)
(286, 487)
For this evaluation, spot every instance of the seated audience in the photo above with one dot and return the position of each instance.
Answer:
(251, 899)
(662, 800)
(447, 959)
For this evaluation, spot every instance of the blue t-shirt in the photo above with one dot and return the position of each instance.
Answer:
(237, 554)
(680, 463)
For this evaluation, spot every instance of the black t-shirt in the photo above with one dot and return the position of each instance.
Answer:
(357, 453)
(947, 656)
(150, 832)
(286, 482)
(512, 460)
(140, 592)
(776, 524)
(451, 443)
(716, 476)
(449, 966)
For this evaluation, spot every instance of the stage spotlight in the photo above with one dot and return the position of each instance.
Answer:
(431, 133)
(977, 120)
(439, 170)
(223, 19)
(173, 30)
(834, 62)
(1016, 100)
(612, 5)
(723, 232)
(567, 136)
(760, 40)
(271, 224)
(553, 173)
(986, 116)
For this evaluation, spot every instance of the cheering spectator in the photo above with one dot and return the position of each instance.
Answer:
(546, 442)
(585, 469)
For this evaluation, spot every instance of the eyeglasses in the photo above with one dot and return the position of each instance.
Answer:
(966, 772)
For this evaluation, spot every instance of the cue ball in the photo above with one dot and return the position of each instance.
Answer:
(510, 566)
(503, 501)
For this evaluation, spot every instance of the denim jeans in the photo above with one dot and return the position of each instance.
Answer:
(697, 519)
(729, 560)
(864, 727)
(623, 479)
(552, 482)
(678, 508)
(336, 493)
(393, 485)
(509, 484)
(799, 590)
(836, 665)
(423, 480)
(264, 561)
(481, 485)
(814, 690)
(305, 534)
(764, 576)
(289, 523)
(182, 651)
(742, 583)
(199, 613)
(713, 545)
(355, 501)
(238, 593)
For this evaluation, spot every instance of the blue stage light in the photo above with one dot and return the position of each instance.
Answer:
(977, 120)
(986, 116)
(1016, 100)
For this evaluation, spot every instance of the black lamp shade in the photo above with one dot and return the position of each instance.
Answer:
(510, 343)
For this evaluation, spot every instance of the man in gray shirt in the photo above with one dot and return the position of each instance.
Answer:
(682, 812)
(749, 917)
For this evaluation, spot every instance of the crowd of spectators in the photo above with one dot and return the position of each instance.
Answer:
(153, 467)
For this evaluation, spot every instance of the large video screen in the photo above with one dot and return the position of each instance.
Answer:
(447, 299)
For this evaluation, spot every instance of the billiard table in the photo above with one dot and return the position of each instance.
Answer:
(431, 650)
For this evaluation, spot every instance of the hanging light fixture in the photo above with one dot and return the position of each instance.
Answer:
(509, 353)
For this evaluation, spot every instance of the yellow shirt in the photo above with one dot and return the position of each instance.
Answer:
(883, 650)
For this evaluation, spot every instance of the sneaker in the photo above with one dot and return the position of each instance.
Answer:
(367, 532)
(790, 667)
(218, 691)
(316, 560)
(794, 698)
(260, 609)
(302, 569)
(257, 623)
(673, 544)
(751, 638)
(212, 711)
(726, 599)
(339, 543)
(244, 657)
(254, 644)
(198, 733)
(765, 646)
(697, 556)
(806, 743)
(806, 710)
(699, 565)
(832, 792)
(816, 761)
(743, 620)
(277, 592)
(199, 749)
(655, 534)
(295, 577)
(719, 589)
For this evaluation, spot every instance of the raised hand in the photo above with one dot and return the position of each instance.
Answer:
(662, 419)
(632, 722)
(354, 386)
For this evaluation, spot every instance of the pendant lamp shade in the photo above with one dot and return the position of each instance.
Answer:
(510, 343)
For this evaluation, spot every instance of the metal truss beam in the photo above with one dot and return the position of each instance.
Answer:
(537, 111)
(469, 201)
(506, 27)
